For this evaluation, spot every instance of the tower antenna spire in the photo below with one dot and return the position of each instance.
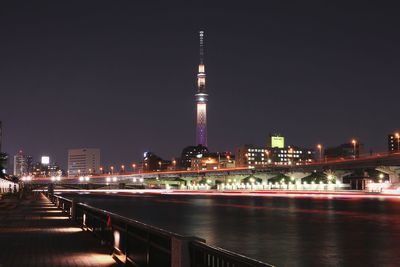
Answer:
(201, 36)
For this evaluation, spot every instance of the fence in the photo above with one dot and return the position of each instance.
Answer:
(8, 186)
(144, 245)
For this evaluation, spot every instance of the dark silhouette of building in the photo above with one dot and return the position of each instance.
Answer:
(346, 151)
(191, 152)
(152, 163)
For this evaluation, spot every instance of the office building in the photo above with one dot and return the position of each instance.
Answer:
(275, 153)
(20, 164)
(83, 161)
(394, 142)
(291, 155)
(190, 152)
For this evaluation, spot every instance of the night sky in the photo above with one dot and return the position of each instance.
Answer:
(121, 75)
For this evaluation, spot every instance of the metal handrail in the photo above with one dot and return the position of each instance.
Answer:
(211, 256)
(149, 246)
(130, 221)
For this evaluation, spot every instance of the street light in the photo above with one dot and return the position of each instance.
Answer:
(174, 164)
(267, 153)
(112, 169)
(122, 168)
(398, 141)
(134, 167)
(354, 142)
(319, 146)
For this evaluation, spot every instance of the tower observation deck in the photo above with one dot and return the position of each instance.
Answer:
(201, 98)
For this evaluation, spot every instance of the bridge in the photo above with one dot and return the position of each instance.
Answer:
(388, 163)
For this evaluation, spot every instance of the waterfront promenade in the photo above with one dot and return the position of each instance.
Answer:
(33, 232)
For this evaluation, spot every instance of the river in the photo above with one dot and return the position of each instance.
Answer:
(277, 230)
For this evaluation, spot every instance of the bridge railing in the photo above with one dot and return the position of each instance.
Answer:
(144, 245)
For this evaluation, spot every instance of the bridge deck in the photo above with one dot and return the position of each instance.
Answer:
(33, 232)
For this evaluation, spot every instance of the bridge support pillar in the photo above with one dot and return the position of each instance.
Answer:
(392, 171)
(297, 176)
(337, 174)
(264, 176)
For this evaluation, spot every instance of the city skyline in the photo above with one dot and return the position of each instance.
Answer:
(93, 85)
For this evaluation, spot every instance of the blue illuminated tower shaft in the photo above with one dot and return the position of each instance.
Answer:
(201, 98)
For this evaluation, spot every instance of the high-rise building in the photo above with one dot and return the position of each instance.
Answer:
(83, 161)
(40, 169)
(20, 164)
(1, 135)
(201, 99)
(394, 142)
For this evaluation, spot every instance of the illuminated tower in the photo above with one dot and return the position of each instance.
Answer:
(201, 98)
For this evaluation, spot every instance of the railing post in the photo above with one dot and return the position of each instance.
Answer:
(180, 254)
(73, 209)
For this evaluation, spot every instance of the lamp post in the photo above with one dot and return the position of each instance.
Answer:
(319, 146)
(354, 142)
(112, 169)
(160, 163)
(133, 167)
(122, 168)
(267, 153)
(398, 141)
(174, 163)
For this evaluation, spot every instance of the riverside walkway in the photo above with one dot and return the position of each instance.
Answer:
(33, 232)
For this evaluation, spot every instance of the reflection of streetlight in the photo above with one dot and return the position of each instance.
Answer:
(354, 142)
(398, 141)
(319, 146)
